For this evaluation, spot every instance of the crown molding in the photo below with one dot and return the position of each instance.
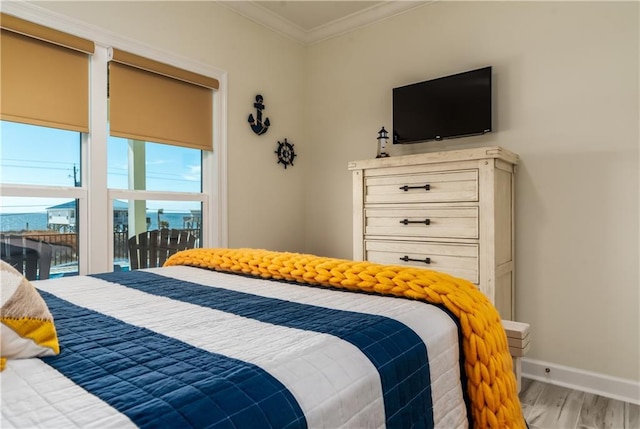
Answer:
(363, 18)
(263, 16)
(251, 10)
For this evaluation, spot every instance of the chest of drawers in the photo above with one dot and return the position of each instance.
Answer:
(447, 211)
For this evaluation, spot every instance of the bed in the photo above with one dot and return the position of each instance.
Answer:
(248, 338)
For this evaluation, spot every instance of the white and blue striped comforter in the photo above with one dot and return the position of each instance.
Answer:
(181, 347)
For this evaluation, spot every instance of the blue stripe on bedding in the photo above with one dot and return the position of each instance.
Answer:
(160, 382)
(396, 351)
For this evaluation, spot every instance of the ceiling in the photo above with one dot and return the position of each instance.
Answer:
(312, 21)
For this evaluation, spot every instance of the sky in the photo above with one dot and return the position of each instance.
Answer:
(45, 156)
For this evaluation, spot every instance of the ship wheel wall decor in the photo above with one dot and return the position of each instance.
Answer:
(285, 153)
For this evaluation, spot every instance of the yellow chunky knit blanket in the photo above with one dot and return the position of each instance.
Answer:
(491, 382)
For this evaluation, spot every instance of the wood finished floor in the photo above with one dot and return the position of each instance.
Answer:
(546, 406)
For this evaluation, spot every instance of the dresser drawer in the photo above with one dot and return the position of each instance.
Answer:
(433, 187)
(459, 260)
(447, 222)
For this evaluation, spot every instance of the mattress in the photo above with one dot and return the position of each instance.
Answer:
(182, 346)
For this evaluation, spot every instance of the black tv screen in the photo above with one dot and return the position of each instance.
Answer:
(452, 106)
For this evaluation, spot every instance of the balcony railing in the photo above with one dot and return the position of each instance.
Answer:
(64, 257)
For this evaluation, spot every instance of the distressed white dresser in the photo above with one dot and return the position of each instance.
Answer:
(448, 211)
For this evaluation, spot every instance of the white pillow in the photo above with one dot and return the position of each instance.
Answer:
(26, 324)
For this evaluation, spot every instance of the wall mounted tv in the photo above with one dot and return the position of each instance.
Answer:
(447, 107)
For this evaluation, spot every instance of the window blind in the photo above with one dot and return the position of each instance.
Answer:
(157, 102)
(45, 75)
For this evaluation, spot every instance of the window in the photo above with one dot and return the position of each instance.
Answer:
(33, 155)
(161, 118)
(45, 117)
(137, 165)
(42, 220)
(132, 217)
(83, 178)
(41, 187)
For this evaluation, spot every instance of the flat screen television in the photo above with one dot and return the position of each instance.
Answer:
(447, 107)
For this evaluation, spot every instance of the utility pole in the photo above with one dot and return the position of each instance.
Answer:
(76, 182)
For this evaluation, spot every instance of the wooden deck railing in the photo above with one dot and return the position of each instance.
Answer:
(65, 246)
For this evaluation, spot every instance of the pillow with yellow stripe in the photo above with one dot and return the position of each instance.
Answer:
(26, 324)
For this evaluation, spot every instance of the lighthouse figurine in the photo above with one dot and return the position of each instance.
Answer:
(383, 138)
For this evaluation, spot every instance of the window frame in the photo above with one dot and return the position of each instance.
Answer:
(95, 200)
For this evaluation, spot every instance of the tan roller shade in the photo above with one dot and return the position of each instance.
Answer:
(42, 82)
(151, 106)
(37, 31)
(143, 63)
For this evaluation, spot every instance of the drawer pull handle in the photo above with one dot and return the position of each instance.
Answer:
(405, 258)
(407, 221)
(405, 188)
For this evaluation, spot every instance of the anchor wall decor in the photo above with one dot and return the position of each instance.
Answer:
(257, 125)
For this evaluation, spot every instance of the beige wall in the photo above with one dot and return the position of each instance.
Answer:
(566, 100)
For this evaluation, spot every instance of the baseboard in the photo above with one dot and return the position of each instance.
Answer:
(585, 381)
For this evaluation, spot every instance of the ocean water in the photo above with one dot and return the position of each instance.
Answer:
(23, 222)
(17, 222)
